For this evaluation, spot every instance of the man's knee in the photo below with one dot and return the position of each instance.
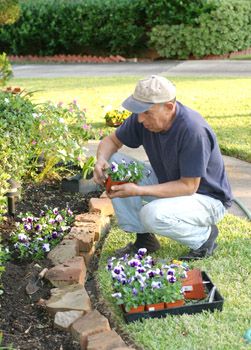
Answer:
(153, 218)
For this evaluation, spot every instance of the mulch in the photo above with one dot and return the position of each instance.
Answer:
(23, 321)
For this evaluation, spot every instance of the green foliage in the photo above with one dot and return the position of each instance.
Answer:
(5, 69)
(226, 28)
(48, 27)
(9, 11)
(58, 135)
(88, 167)
(16, 122)
(173, 12)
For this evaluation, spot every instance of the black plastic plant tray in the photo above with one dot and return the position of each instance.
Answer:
(216, 304)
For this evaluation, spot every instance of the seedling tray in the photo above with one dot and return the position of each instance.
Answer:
(216, 304)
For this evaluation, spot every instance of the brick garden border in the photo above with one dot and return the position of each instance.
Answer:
(69, 304)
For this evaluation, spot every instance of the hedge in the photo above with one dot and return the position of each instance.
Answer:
(225, 29)
(49, 27)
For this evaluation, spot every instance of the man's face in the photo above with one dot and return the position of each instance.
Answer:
(159, 117)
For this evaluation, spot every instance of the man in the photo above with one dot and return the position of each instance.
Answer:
(187, 193)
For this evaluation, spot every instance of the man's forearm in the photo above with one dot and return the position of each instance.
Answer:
(170, 189)
(107, 147)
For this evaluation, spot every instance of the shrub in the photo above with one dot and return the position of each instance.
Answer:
(59, 134)
(5, 69)
(48, 27)
(16, 122)
(9, 11)
(173, 12)
(225, 29)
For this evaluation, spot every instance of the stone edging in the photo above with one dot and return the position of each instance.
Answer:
(69, 302)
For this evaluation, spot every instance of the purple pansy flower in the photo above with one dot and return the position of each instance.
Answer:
(55, 211)
(27, 227)
(134, 262)
(22, 237)
(38, 227)
(46, 247)
(117, 295)
(171, 278)
(142, 251)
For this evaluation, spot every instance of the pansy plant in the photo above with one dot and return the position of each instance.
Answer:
(129, 172)
(37, 235)
(141, 280)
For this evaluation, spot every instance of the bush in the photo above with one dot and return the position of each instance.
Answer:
(173, 12)
(9, 11)
(48, 27)
(5, 69)
(16, 121)
(225, 29)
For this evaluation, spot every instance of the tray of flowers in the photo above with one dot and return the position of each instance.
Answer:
(146, 288)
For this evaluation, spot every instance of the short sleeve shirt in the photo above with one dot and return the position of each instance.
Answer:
(188, 149)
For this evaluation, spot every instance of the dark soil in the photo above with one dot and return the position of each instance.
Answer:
(24, 321)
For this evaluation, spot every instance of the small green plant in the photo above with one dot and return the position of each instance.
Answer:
(5, 69)
(36, 236)
(116, 117)
(129, 172)
(59, 133)
(88, 167)
(141, 280)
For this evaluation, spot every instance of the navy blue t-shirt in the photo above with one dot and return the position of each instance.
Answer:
(188, 149)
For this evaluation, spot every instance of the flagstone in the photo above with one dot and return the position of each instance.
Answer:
(72, 271)
(73, 297)
(101, 205)
(104, 341)
(91, 323)
(65, 319)
(67, 249)
(85, 236)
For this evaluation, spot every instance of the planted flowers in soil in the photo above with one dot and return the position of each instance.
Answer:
(36, 236)
(120, 173)
(140, 281)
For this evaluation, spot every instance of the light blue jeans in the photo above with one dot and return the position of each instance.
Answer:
(185, 219)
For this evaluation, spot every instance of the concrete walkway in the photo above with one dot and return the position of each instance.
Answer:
(239, 174)
(170, 68)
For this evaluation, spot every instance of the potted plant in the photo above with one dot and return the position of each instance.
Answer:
(120, 173)
(142, 282)
(82, 182)
(116, 117)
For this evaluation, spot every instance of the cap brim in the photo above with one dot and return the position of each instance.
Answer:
(136, 106)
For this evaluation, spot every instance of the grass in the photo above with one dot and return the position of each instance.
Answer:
(242, 57)
(224, 102)
(229, 270)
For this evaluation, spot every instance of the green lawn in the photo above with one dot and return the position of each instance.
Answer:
(224, 102)
(230, 271)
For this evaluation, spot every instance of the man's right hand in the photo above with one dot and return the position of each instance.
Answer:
(99, 174)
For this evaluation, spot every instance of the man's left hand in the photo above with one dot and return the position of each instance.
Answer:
(125, 190)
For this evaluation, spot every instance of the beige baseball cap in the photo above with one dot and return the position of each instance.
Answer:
(148, 91)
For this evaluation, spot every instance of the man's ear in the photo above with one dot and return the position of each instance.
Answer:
(170, 105)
